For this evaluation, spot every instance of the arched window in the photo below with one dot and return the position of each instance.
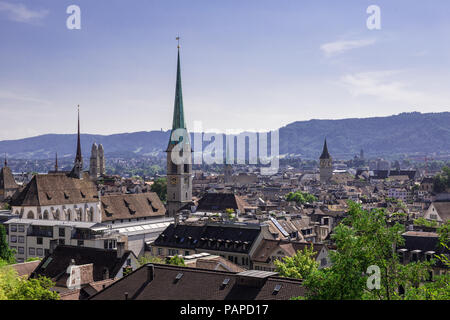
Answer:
(90, 215)
(30, 215)
(46, 216)
(79, 214)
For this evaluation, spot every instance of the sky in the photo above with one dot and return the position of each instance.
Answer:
(245, 64)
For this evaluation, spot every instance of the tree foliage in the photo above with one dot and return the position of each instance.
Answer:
(365, 239)
(176, 261)
(300, 197)
(6, 253)
(299, 266)
(159, 186)
(441, 182)
(13, 287)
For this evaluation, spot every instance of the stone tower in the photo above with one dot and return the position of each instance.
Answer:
(94, 169)
(77, 170)
(179, 161)
(326, 165)
(101, 160)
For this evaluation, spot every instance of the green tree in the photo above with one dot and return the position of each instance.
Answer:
(6, 253)
(13, 287)
(150, 259)
(159, 186)
(34, 289)
(176, 261)
(300, 197)
(365, 239)
(299, 266)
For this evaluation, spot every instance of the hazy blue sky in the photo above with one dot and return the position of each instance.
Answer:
(246, 64)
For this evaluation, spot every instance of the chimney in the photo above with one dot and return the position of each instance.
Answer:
(120, 249)
(150, 272)
(126, 295)
(177, 219)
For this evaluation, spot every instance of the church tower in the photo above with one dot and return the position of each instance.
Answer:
(101, 160)
(94, 162)
(326, 165)
(179, 161)
(77, 170)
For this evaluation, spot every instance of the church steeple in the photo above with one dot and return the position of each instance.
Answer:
(78, 157)
(179, 166)
(325, 153)
(77, 170)
(178, 121)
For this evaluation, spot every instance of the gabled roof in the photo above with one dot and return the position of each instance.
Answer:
(219, 202)
(25, 268)
(443, 209)
(267, 247)
(198, 284)
(55, 265)
(56, 189)
(128, 206)
(7, 179)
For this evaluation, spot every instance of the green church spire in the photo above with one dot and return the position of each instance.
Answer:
(178, 110)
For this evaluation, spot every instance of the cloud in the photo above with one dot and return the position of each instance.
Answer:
(20, 13)
(337, 47)
(381, 84)
(12, 96)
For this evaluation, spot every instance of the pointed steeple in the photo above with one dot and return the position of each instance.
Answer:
(56, 162)
(325, 153)
(77, 170)
(178, 110)
(78, 157)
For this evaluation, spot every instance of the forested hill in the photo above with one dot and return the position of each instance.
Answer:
(404, 133)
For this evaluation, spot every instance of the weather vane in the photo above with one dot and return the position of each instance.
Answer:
(178, 39)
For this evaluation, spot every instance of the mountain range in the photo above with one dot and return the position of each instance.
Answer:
(405, 133)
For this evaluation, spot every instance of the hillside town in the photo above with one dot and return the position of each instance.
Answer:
(194, 234)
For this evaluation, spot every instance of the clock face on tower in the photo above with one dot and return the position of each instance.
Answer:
(173, 180)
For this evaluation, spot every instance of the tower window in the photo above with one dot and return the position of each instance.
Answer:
(186, 168)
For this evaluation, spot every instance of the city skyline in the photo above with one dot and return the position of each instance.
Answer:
(269, 68)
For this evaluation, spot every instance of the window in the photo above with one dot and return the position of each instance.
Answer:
(31, 251)
(21, 228)
(80, 243)
(62, 232)
(186, 168)
(186, 253)
(13, 228)
(21, 239)
(14, 239)
(20, 250)
(62, 241)
(40, 252)
(160, 251)
(39, 240)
